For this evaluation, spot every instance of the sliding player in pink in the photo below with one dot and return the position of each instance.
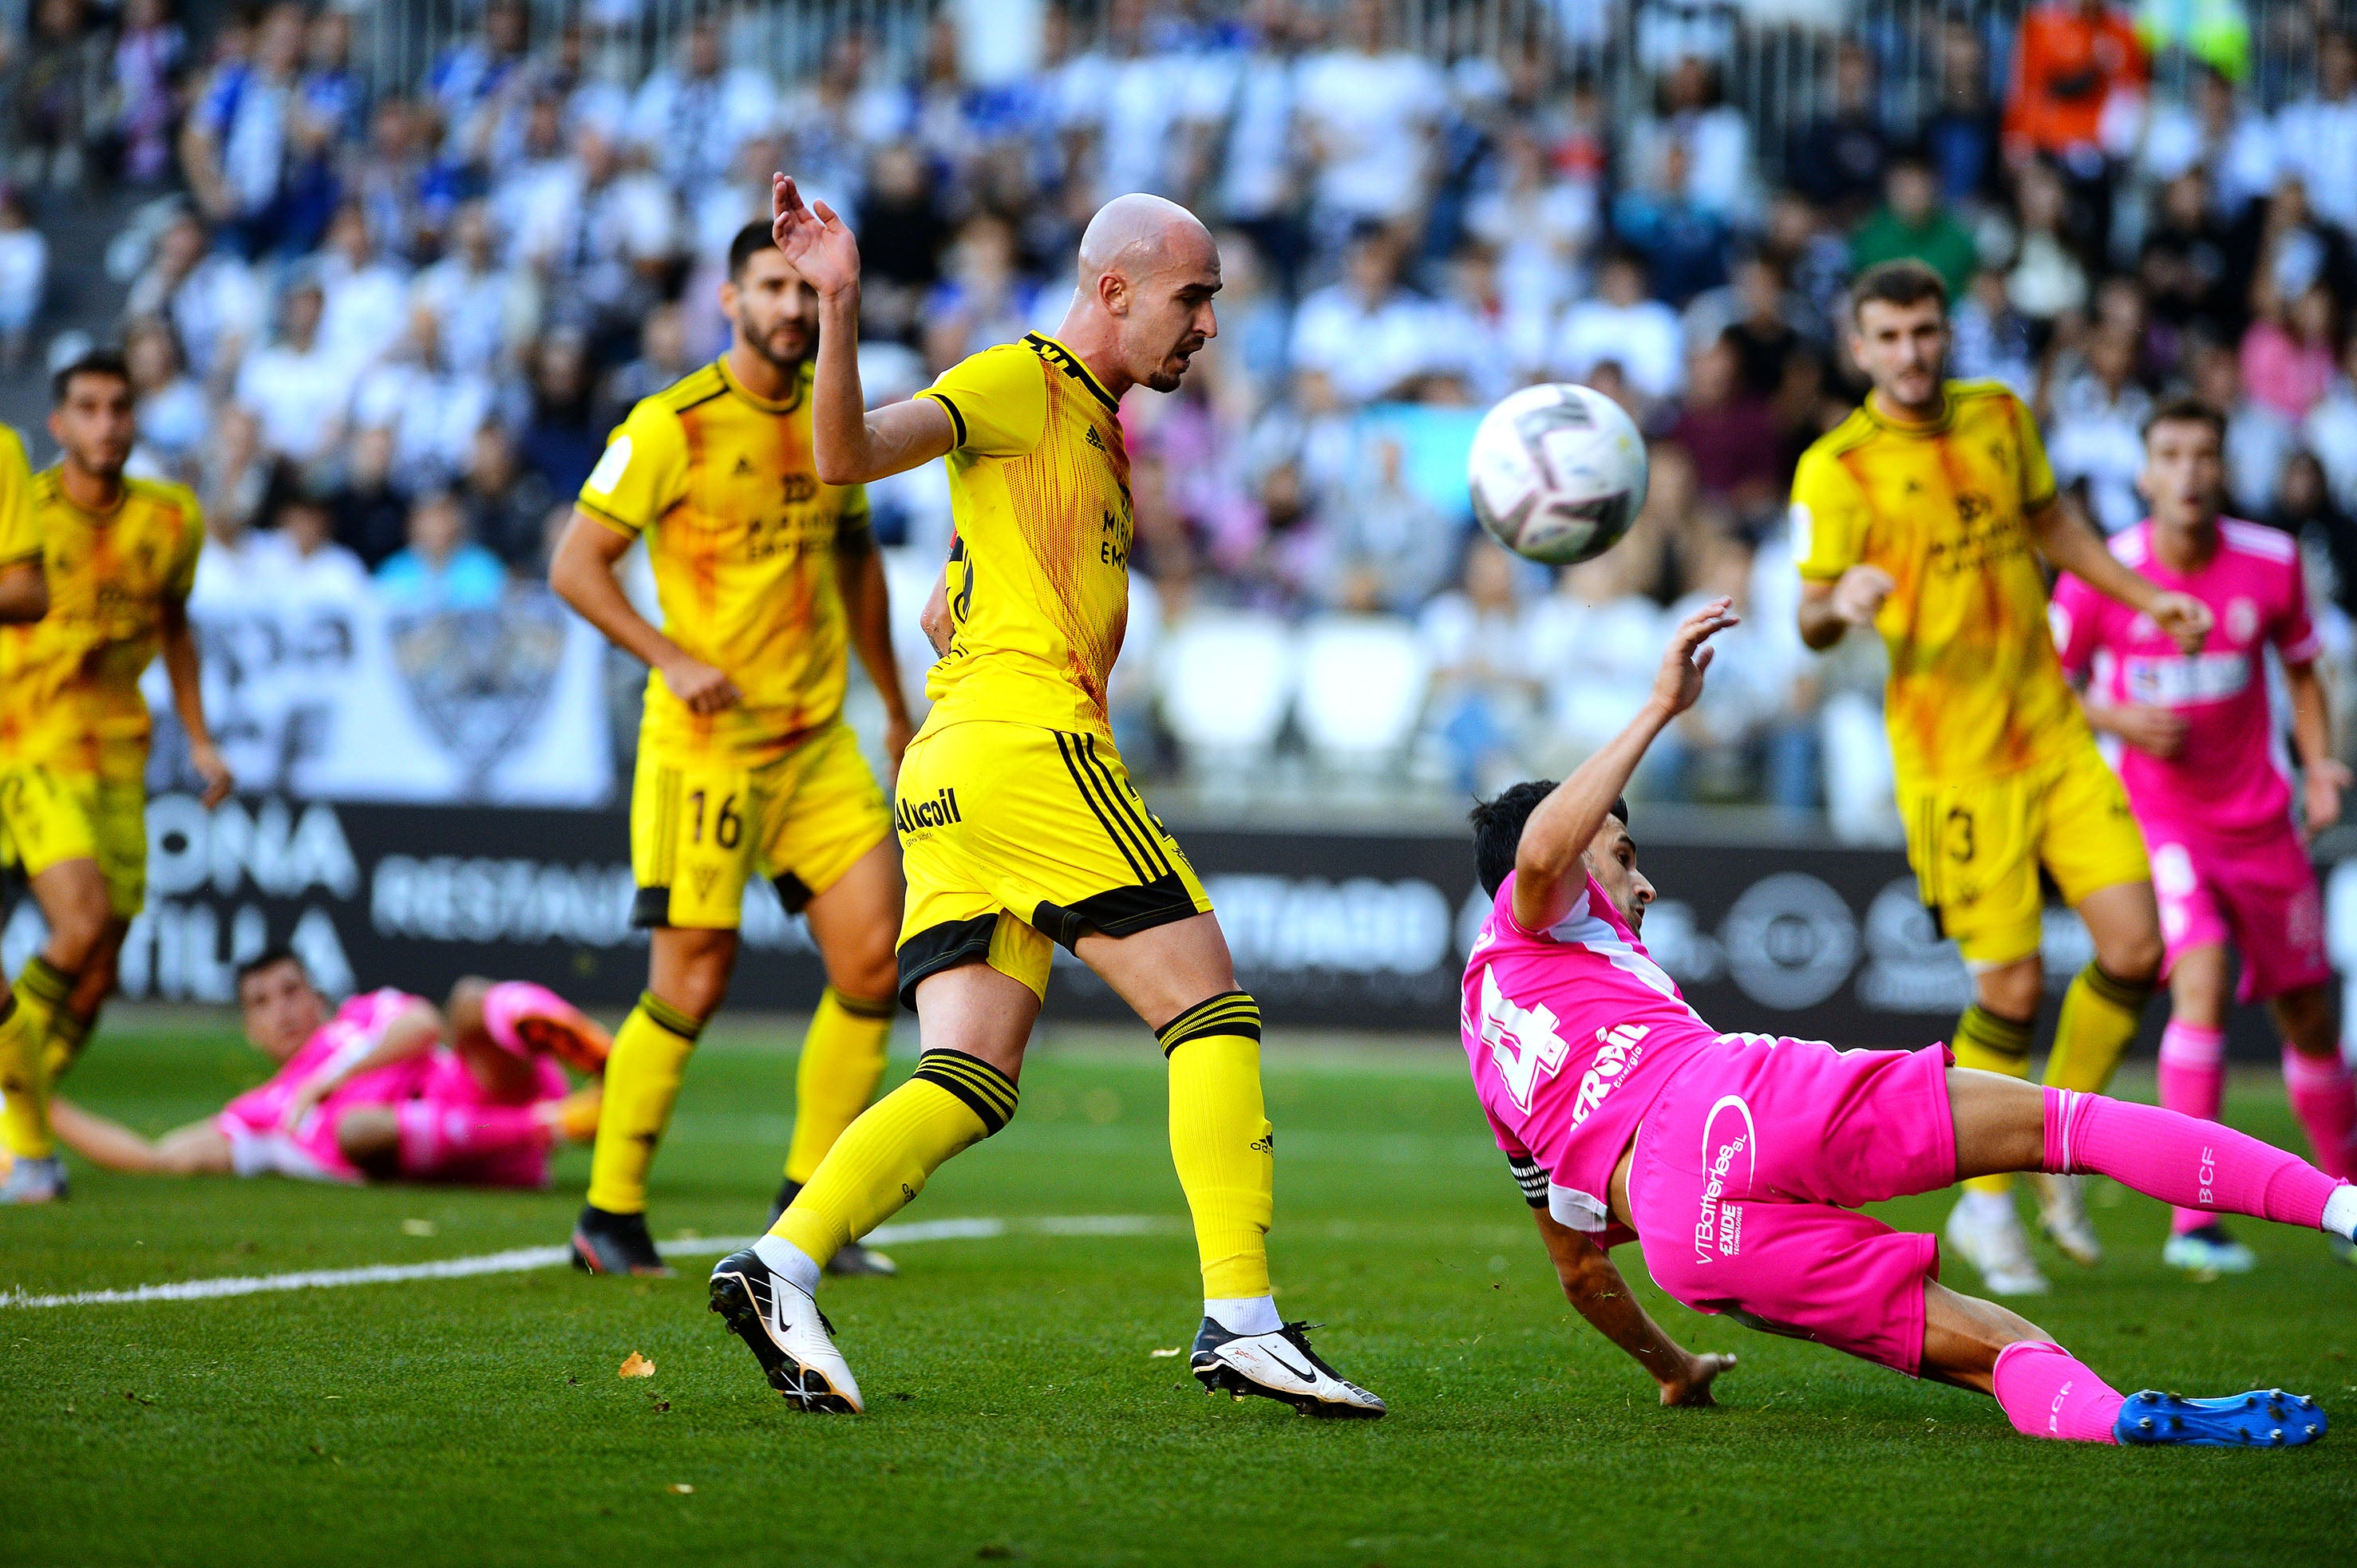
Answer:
(1739, 1162)
(388, 1087)
(2207, 780)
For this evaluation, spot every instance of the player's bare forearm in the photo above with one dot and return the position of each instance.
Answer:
(1593, 1285)
(581, 573)
(1821, 624)
(867, 608)
(108, 1144)
(24, 593)
(850, 444)
(181, 668)
(411, 1034)
(2070, 544)
(2311, 720)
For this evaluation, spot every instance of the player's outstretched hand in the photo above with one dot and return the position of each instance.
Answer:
(2184, 618)
(814, 240)
(1679, 681)
(704, 689)
(1859, 593)
(219, 781)
(1691, 1386)
(2320, 793)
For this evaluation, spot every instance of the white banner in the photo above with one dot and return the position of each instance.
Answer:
(317, 688)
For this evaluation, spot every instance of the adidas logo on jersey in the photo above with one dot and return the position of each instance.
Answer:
(1093, 439)
(744, 465)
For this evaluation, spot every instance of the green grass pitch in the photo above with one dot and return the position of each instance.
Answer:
(1016, 1411)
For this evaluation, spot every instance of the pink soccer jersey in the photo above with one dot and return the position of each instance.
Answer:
(1571, 1032)
(2230, 776)
(252, 1122)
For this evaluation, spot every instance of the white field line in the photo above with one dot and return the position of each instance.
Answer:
(520, 1260)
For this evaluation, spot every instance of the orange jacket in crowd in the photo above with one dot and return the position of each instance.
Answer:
(2072, 55)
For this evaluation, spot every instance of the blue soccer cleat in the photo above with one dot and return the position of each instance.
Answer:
(2264, 1418)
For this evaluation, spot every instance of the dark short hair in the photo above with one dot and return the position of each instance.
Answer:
(1902, 283)
(1498, 828)
(270, 957)
(91, 362)
(2185, 411)
(751, 239)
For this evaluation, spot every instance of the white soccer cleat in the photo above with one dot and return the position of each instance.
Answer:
(34, 1181)
(1278, 1365)
(2208, 1251)
(787, 1334)
(2062, 1215)
(1996, 1247)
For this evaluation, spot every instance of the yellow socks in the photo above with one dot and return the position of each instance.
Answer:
(1992, 1043)
(39, 995)
(884, 1158)
(842, 1058)
(2100, 1015)
(642, 1074)
(1220, 1140)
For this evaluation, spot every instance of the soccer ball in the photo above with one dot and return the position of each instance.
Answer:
(1557, 472)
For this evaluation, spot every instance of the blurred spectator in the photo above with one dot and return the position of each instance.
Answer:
(296, 387)
(663, 360)
(900, 237)
(209, 296)
(1258, 179)
(473, 82)
(55, 92)
(1366, 333)
(2095, 436)
(2046, 280)
(2287, 354)
(483, 307)
(1367, 114)
(1963, 138)
(2259, 440)
(505, 507)
(1912, 224)
(253, 155)
(2306, 509)
(690, 118)
(603, 233)
(1839, 159)
(2075, 62)
(1684, 242)
(406, 192)
(433, 409)
(2318, 134)
(234, 472)
(149, 52)
(2232, 144)
(440, 568)
(1731, 434)
(1539, 223)
(1620, 325)
(1388, 547)
(1595, 643)
(372, 514)
(1692, 110)
(311, 564)
(1993, 340)
(559, 443)
(1484, 694)
(23, 276)
(2331, 429)
(1759, 319)
(366, 296)
(2187, 270)
(174, 419)
(985, 298)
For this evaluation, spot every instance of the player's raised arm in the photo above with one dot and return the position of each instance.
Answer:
(1592, 1282)
(2070, 544)
(850, 444)
(24, 592)
(1547, 866)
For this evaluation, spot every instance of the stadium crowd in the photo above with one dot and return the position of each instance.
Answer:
(384, 326)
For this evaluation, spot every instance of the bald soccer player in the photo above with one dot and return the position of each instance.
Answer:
(1019, 827)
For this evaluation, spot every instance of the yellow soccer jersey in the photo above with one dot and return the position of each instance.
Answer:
(1038, 580)
(69, 682)
(20, 530)
(745, 541)
(1975, 689)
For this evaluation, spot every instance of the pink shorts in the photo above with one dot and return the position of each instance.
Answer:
(261, 1143)
(2259, 895)
(1749, 1173)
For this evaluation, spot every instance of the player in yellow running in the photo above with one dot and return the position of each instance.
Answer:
(118, 556)
(1924, 515)
(745, 764)
(1019, 826)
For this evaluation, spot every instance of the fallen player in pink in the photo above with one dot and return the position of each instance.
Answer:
(1740, 1162)
(388, 1087)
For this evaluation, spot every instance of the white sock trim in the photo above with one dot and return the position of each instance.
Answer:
(2340, 1211)
(1247, 1313)
(790, 1261)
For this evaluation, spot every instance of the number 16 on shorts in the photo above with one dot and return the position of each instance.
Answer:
(693, 839)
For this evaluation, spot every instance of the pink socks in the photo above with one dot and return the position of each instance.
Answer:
(2194, 1164)
(2047, 1392)
(2192, 1083)
(2326, 1103)
(436, 1136)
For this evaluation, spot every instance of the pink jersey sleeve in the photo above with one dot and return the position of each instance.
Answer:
(2076, 615)
(2294, 632)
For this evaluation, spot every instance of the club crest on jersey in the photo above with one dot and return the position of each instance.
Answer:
(1617, 1051)
(1522, 1040)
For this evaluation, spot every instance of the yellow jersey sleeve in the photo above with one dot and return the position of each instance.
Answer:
(643, 473)
(854, 532)
(2037, 473)
(1830, 516)
(20, 527)
(996, 401)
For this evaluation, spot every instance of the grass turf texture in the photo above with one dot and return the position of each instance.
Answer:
(1016, 1410)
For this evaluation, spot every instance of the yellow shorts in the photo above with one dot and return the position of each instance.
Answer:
(1015, 838)
(700, 823)
(1976, 849)
(47, 818)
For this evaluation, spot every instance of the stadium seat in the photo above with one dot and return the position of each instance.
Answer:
(1364, 684)
(1225, 679)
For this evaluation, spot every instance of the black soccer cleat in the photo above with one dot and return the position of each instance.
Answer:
(789, 1336)
(608, 1243)
(1279, 1366)
(857, 1259)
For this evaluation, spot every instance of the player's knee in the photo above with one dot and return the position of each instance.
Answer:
(2011, 990)
(2133, 956)
(77, 927)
